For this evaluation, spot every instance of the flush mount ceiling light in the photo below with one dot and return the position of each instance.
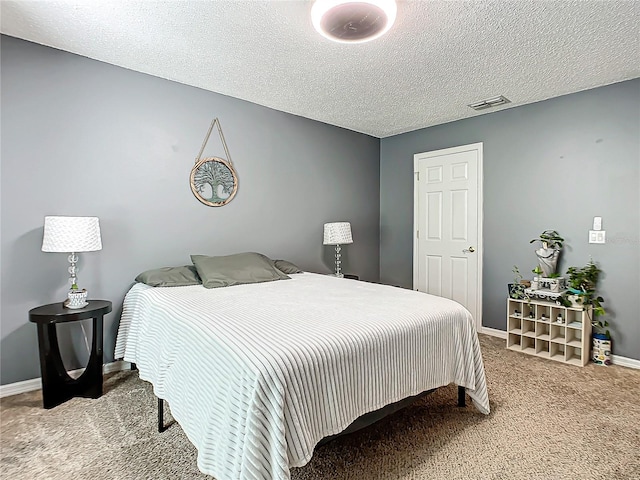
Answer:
(490, 102)
(349, 21)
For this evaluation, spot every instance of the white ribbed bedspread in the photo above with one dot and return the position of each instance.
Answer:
(257, 374)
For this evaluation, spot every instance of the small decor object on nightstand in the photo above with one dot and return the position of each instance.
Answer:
(72, 235)
(77, 299)
(337, 233)
(214, 180)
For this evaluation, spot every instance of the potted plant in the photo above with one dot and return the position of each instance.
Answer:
(516, 289)
(583, 282)
(535, 282)
(76, 298)
(555, 282)
(549, 252)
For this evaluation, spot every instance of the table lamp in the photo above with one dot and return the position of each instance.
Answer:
(337, 233)
(72, 235)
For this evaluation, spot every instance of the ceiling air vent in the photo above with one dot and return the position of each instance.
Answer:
(491, 102)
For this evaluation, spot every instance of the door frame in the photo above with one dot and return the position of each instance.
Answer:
(478, 147)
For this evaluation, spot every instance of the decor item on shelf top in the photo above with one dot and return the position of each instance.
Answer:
(72, 235)
(214, 180)
(337, 233)
(353, 21)
(535, 283)
(549, 252)
(517, 288)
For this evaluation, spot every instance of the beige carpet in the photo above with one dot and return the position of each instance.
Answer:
(549, 421)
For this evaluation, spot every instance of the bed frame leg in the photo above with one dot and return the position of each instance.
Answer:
(133, 366)
(461, 396)
(161, 426)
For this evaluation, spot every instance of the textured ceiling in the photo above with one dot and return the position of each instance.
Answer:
(437, 58)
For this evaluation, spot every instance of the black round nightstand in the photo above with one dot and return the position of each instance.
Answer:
(57, 385)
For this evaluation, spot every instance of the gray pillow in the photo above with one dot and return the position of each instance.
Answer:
(170, 276)
(286, 267)
(238, 269)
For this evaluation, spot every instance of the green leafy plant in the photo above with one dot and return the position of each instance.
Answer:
(583, 283)
(517, 276)
(584, 279)
(537, 270)
(551, 239)
(516, 289)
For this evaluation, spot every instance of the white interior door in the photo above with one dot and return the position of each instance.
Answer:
(447, 258)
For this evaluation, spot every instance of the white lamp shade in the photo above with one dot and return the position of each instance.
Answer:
(71, 234)
(337, 233)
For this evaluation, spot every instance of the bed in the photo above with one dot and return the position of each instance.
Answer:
(257, 374)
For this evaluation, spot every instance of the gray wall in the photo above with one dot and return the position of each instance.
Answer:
(80, 137)
(550, 165)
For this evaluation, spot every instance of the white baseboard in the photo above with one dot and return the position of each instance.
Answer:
(615, 359)
(36, 383)
(20, 387)
(494, 332)
(625, 361)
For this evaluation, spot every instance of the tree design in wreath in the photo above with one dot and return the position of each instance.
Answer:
(214, 181)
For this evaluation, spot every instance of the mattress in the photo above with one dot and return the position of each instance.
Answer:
(257, 374)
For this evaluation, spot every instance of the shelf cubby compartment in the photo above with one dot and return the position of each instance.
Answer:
(574, 318)
(542, 331)
(574, 337)
(514, 341)
(543, 313)
(573, 355)
(542, 348)
(556, 351)
(557, 333)
(529, 328)
(515, 309)
(515, 325)
(528, 345)
(528, 311)
(558, 315)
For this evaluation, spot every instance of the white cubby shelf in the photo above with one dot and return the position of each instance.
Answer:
(548, 330)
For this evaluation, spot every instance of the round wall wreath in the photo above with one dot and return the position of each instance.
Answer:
(214, 181)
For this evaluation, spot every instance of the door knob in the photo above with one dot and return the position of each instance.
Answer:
(469, 250)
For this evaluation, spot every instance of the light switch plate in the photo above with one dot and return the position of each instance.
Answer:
(597, 236)
(597, 223)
